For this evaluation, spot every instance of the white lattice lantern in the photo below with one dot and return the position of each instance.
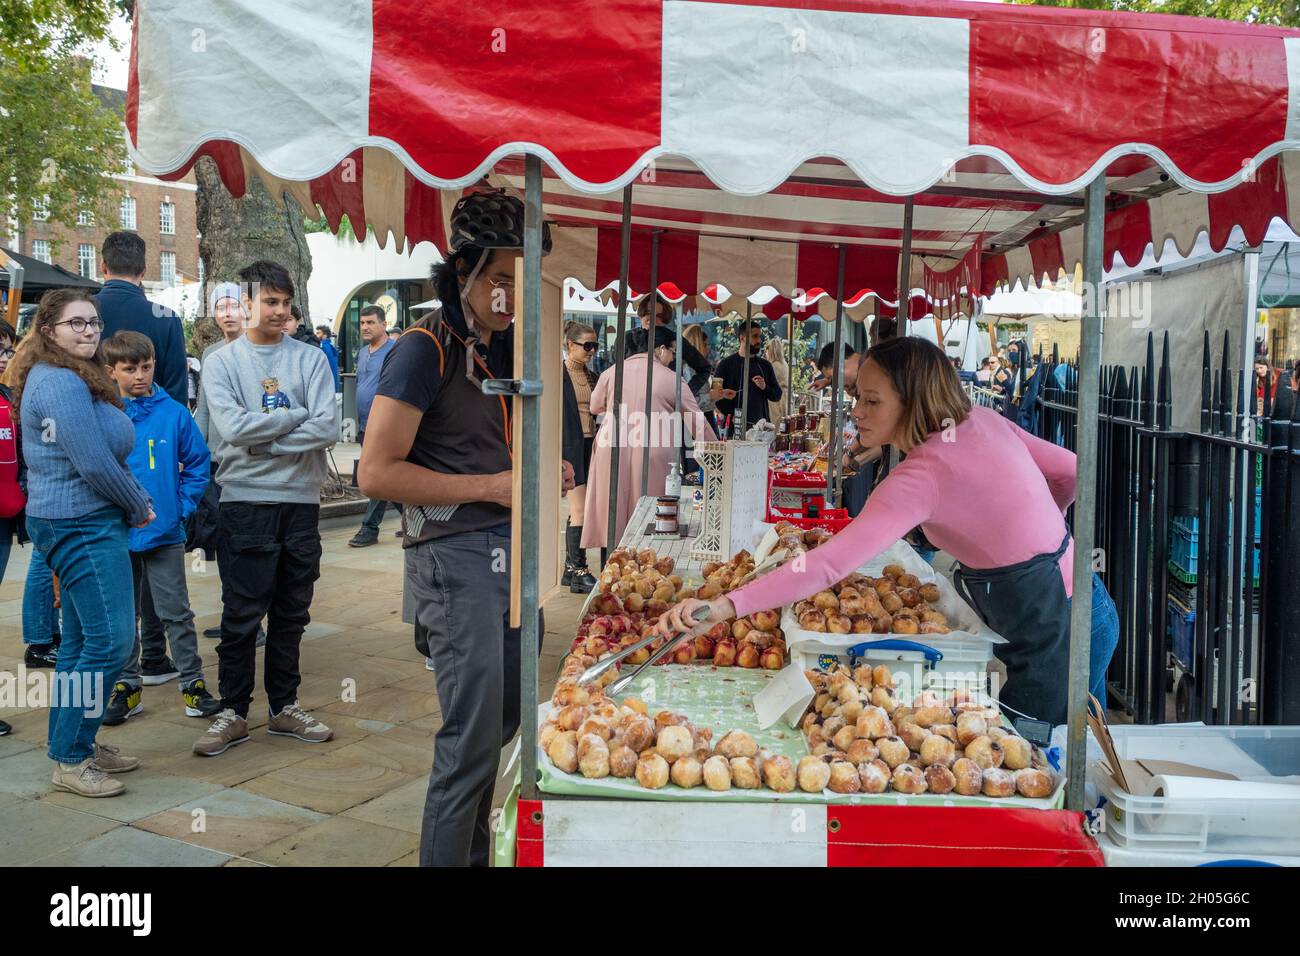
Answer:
(735, 496)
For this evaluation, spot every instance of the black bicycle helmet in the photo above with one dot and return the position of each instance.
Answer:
(491, 220)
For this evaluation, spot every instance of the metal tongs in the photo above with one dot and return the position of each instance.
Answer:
(595, 670)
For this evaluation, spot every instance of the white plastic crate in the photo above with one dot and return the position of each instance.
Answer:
(1267, 821)
(735, 496)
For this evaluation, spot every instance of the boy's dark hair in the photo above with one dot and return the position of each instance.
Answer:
(7, 333)
(129, 347)
(268, 275)
(827, 355)
(326, 329)
(123, 253)
(376, 310)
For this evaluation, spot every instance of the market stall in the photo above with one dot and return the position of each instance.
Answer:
(941, 165)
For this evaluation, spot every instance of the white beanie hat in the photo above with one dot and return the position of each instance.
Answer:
(224, 290)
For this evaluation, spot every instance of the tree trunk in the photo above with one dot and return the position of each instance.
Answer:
(234, 232)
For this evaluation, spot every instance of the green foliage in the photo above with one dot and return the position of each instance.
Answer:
(33, 32)
(321, 224)
(1272, 12)
(60, 142)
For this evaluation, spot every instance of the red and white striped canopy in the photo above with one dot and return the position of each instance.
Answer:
(758, 136)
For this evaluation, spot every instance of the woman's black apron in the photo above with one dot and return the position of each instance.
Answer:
(1026, 603)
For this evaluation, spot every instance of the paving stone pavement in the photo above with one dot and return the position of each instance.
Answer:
(356, 800)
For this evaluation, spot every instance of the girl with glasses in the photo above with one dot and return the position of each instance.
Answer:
(81, 500)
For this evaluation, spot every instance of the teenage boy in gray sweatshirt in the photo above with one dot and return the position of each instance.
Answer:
(271, 458)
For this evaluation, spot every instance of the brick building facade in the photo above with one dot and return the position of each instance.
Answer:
(171, 234)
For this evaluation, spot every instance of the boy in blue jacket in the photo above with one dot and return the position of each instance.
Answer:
(171, 461)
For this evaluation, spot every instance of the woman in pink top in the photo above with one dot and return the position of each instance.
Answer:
(1004, 525)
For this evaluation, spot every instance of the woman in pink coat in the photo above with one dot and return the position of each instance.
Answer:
(661, 432)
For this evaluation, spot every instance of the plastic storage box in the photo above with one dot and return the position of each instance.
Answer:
(1265, 822)
(930, 660)
(1184, 546)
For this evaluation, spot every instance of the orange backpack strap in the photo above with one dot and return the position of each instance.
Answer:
(442, 357)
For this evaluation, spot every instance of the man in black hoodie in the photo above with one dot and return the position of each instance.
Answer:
(296, 330)
(123, 307)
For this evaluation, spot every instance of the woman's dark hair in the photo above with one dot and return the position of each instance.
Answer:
(663, 336)
(927, 386)
(643, 307)
(574, 331)
(38, 346)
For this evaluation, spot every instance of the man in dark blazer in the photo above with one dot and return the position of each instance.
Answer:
(122, 305)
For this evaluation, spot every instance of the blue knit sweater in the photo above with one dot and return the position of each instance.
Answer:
(76, 448)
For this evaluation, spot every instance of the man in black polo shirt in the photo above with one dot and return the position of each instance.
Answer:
(762, 385)
(435, 441)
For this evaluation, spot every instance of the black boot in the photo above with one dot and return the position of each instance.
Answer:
(575, 563)
(566, 579)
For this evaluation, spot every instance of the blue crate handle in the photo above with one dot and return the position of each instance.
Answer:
(932, 655)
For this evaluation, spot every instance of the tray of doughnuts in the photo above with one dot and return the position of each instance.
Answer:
(945, 745)
(856, 743)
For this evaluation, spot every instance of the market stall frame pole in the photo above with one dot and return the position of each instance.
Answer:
(1243, 482)
(1250, 282)
(789, 368)
(620, 342)
(677, 371)
(1085, 502)
(905, 270)
(833, 476)
(743, 339)
(650, 360)
(678, 425)
(530, 450)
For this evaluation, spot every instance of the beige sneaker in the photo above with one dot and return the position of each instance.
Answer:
(110, 760)
(226, 731)
(293, 721)
(85, 780)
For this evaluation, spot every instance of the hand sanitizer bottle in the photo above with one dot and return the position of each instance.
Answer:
(673, 483)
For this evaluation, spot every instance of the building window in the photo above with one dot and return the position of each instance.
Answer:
(167, 218)
(167, 269)
(86, 260)
(85, 218)
(41, 209)
(41, 249)
(127, 212)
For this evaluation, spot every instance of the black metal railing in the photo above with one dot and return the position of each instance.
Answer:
(1198, 539)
